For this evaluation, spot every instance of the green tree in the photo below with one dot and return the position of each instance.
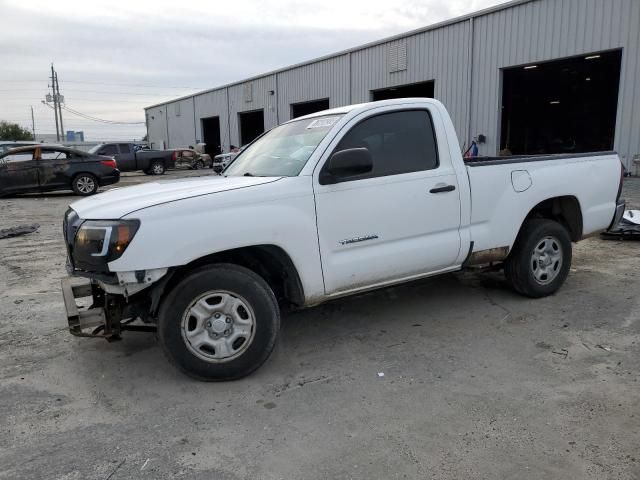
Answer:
(13, 131)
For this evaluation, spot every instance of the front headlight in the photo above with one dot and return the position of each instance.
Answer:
(99, 242)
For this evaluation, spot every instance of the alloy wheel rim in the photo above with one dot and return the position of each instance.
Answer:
(218, 326)
(157, 169)
(85, 184)
(546, 260)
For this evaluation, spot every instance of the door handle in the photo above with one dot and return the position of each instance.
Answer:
(445, 188)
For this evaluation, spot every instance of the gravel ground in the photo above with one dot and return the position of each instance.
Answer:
(478, 382)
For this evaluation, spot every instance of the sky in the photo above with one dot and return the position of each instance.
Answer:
(113, 57)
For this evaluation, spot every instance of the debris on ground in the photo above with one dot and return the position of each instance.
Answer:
(604, 347)
(381, 374)
(627, 228)
(563, 352)
(19, 230)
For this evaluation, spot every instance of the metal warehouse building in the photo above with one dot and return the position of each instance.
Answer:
(525, 77)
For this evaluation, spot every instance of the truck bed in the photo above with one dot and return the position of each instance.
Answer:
(503, 193)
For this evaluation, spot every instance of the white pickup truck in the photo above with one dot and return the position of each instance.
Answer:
(332, 204)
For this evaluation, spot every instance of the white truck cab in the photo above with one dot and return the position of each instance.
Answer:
(331, 204)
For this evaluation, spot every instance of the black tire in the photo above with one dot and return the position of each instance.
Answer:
(84, 184)
(238, 281)
(198, 165)
(522, 268)
(157, 168)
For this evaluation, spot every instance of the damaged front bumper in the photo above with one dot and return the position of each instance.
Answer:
(104, 318)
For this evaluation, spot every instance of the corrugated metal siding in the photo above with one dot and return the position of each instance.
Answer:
(537, 31)
(157, 127)
(180, 123)
(260, 99)
(550, 29)
(441, 55)
(213, 104)
(325, 79)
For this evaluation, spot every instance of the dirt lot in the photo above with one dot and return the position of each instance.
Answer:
(478, 382)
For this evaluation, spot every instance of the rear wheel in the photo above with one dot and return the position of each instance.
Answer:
(84, 184)
(540, 259)
(219, 323)
(157, 168)
(199, 164)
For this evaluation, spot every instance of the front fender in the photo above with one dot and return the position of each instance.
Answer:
(280, 213)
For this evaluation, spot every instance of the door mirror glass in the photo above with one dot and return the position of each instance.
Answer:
(351, 161)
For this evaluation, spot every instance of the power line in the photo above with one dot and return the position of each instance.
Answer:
(94, 99)
(114, 92)
(95, 119)
(101, 120)
(108, 84)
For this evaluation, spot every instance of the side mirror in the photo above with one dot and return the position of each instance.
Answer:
(349, 162)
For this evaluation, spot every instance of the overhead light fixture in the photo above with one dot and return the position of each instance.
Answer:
(530, 67)
(591, 57)
(588, 79)
(554, 102)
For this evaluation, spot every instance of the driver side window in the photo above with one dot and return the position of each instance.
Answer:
(399, 142)
(16, 158)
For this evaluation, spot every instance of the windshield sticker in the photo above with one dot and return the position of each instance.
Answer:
(323, 122)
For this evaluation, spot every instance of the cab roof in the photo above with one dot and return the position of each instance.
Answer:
(366, 106)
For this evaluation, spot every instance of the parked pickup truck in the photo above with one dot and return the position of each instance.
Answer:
(331, 204)
(130, 157)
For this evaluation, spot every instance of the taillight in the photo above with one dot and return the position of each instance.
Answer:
(621, 180)
(109, 163)
(174, 156)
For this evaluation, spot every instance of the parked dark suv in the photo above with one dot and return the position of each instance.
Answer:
(40, 168)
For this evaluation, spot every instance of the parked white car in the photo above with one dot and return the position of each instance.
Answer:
(332, 204)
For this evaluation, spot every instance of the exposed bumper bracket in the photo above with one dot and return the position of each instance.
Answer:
(103, 319)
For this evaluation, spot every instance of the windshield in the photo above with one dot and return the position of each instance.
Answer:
(95, 148)
(283, 151)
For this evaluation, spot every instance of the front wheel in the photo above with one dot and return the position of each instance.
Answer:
(199, 164)
(219, 323)
(540, 259)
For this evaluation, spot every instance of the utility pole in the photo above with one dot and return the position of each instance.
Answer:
(55, 102)
(60, 97)
(33, 125)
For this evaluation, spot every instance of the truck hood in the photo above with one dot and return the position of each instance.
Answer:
(119, 202)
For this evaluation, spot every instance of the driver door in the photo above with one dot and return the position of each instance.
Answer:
(400, 220)
(18, 172)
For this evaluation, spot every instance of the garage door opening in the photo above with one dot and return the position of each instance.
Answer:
(251, 125)
(305, 108)
(211, 135)
(422, 89)
(564, 106)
